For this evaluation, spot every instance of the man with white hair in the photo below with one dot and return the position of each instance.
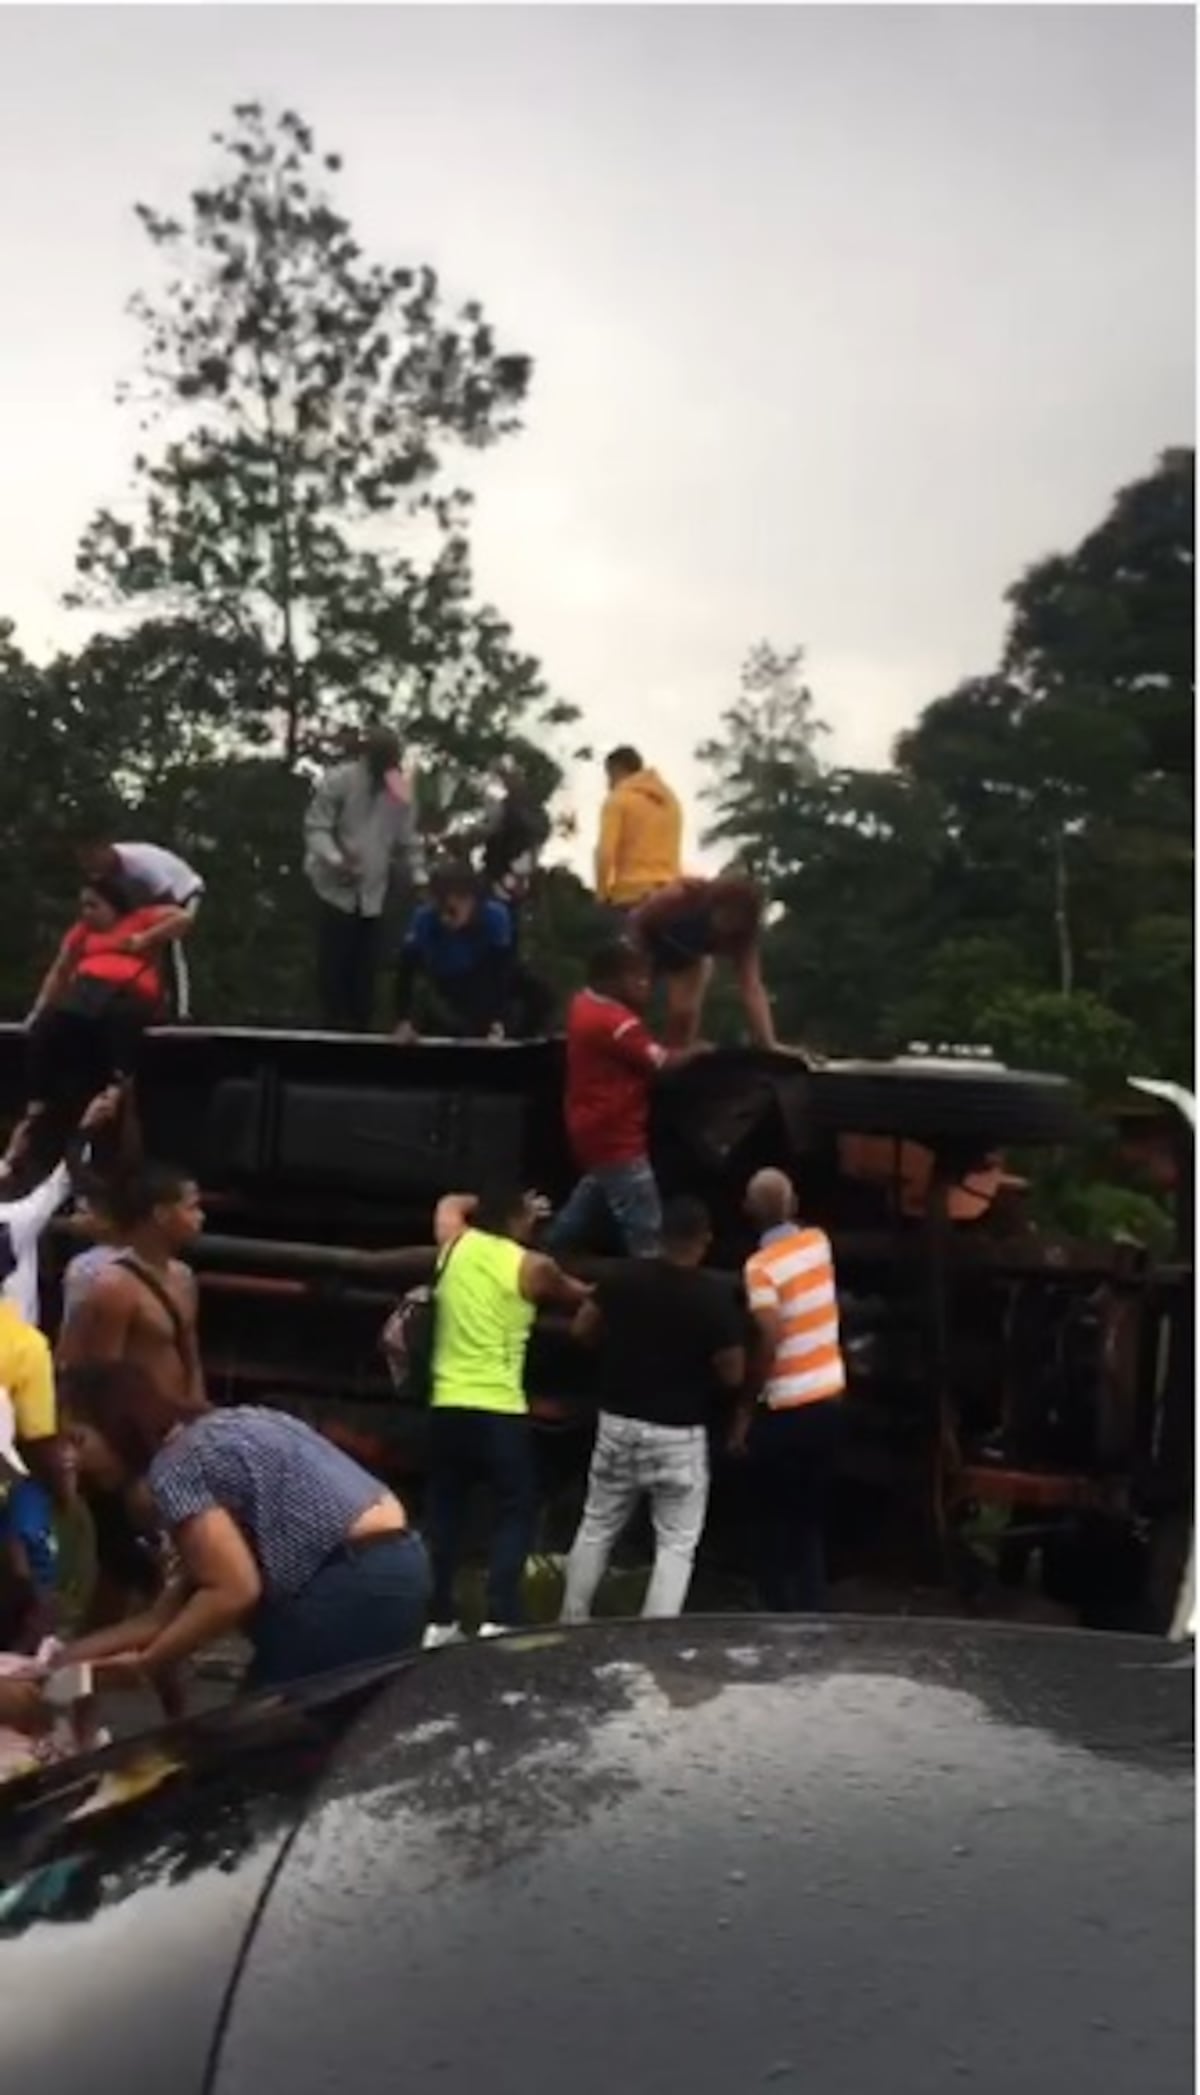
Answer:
(791, 1431)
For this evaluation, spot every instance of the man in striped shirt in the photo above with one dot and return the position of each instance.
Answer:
(792, 1433)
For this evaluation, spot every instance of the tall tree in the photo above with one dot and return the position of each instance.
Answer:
(763, 761)
(1067, 776)
(299, 404)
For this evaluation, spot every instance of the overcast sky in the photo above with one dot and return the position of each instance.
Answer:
(840, 316)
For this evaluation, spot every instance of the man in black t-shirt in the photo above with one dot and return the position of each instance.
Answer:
(672, 1343)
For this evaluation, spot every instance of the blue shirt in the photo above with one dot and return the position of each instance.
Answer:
(27, 1516)
(445, 954)
(294, 1496)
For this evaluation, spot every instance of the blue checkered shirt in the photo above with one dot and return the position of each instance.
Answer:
(294, 1497)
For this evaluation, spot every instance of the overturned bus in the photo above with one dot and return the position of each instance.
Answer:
(1020, 1403)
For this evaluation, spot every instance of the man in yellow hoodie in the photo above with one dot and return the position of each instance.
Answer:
(641, 833)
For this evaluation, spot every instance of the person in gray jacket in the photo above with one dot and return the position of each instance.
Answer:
(360, 824)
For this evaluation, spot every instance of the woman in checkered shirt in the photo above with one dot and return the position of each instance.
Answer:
(279, 1535)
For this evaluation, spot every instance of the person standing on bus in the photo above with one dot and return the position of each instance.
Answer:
(641, 833)
(359, 829)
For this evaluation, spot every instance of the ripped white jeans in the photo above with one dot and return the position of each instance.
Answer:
(631, 1460)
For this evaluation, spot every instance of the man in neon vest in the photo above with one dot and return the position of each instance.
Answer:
(489, 1288)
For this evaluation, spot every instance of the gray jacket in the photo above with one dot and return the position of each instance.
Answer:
(354, 832)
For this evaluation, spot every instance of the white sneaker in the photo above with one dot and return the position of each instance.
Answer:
(493, 1629)
(440, 1634)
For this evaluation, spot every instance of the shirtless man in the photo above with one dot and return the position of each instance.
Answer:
(142, 1306)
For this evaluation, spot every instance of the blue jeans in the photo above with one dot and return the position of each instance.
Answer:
(468, 1448)
(369, 1601)
(626, 1192)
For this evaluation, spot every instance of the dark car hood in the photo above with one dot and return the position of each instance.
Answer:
(129, 1882)
(696, 1856)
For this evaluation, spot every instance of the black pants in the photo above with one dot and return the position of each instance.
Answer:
(347, 959)
(469, 1448)
(464, 1007)
(73, 1053)
(792, 1457)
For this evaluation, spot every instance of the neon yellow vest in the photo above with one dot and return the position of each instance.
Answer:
(483, 1326)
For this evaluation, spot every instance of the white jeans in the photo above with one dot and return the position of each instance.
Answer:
(669, 1464)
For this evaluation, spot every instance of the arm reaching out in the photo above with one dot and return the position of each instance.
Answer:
(544, 1282)
(226, 1584)
(453, 1214)
(56, 977)
(171, 923)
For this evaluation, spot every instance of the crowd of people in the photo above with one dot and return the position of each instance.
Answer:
(461, 970)
(213, 1521)
(206, 1521)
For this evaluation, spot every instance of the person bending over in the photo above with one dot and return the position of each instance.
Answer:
(277, 1534)
(103, 988)
(684, 930)
(459, 953)
(672, 1343)
(612, 1064)
(154, 875)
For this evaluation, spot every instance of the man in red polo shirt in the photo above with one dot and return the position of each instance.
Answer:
(612, 1062)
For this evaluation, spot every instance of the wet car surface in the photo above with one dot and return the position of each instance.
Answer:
(703, 1856)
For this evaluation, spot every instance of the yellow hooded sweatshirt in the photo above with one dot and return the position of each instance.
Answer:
(641, 835)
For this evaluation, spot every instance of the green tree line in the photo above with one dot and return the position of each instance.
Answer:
(1021, 876)
(292, 555)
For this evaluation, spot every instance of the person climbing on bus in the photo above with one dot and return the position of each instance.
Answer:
(684, 930)
(100, 992)
(612, 1064)
(514, 830)
(641, 833)
(23, 1221)
(459, 950)
(151, 874)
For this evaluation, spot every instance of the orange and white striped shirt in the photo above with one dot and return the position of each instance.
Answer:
(792, 1274)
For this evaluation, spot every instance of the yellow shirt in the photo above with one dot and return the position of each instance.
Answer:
(482, 1327)
(641, 836)
(27, 1373)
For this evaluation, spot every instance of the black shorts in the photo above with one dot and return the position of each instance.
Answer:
(677, 948)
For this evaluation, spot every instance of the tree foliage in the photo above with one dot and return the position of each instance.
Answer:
(299, 404)
(294, 555)
(762, 762)
(1026, 866)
